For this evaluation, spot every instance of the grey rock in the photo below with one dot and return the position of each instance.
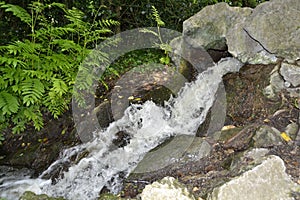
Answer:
(276, 84)
(275, 25)
(243, 47)
(176, 51)
(166, 189)
(164, 155)
(269, 92)
(256, 36)
(104, 114)
(208, 28)
(276, 81)
(257, 154)
(291, 73)
(266, 181)
(267, 136)
(292, 130)
(219, 26)
(197, 150)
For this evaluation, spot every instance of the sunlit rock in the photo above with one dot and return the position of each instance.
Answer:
(275, 25)
(267, 181)
(267, 136)
(291, 74)
(166, 189)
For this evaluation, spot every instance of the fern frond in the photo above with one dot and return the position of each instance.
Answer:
(76, 17)
(34, 115)
(12, 75)
(156, 16)
(19, 12)
(55, 104)
(32, 91)
(39, 74)
(59, 5)
(67, 45)
(144, 30)
(12, 62)
(20, 47)
(8, 103)
(56, 32)
(59, 87)
(37, 6)
(105, 23)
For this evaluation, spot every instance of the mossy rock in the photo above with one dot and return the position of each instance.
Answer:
(32, 196)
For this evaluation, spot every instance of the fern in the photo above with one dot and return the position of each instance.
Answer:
(38, 73)
(157, 17)
(32, 91)
(34, 114)
(59, 87)
(19, 12)
(8, 103)
(162, 45)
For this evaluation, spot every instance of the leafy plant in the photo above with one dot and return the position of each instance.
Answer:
(162, 45)
(39, 71)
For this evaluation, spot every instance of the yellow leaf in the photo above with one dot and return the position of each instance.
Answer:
(227, 127)
(131, 98)
(285, 137)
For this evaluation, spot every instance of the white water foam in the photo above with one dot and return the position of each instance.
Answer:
(148, 126)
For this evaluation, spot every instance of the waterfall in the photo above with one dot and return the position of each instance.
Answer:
(148, 126)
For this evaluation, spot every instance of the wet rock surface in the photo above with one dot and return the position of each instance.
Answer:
(32, 196)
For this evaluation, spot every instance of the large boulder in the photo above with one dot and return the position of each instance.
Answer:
(265, 181)
(256, 36)
(276, 26)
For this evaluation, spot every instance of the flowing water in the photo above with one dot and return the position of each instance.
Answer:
(148, 126)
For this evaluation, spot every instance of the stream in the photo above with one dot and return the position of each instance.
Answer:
(148, 126)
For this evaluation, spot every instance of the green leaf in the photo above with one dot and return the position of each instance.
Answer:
(34, 116)
(59, 87)
(8, 103)
(19, 12)
(32, 91)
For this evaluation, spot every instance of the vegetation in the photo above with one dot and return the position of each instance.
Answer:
(38, 71)
(44, 43)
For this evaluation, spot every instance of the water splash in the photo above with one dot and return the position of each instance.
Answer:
(148, 126)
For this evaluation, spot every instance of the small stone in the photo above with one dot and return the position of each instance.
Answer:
(292, 130)
(166, 189)
(291, 74)
(195, 189)
(267, 136)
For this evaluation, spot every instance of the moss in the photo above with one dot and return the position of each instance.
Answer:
(32, 196)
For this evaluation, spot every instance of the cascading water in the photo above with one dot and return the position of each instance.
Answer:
(148, 126)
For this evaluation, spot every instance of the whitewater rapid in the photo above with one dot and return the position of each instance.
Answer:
(148, 126)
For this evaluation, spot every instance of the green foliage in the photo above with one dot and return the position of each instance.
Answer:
(162, 45)
(39, 71)
(136, 58)
(17, 11)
